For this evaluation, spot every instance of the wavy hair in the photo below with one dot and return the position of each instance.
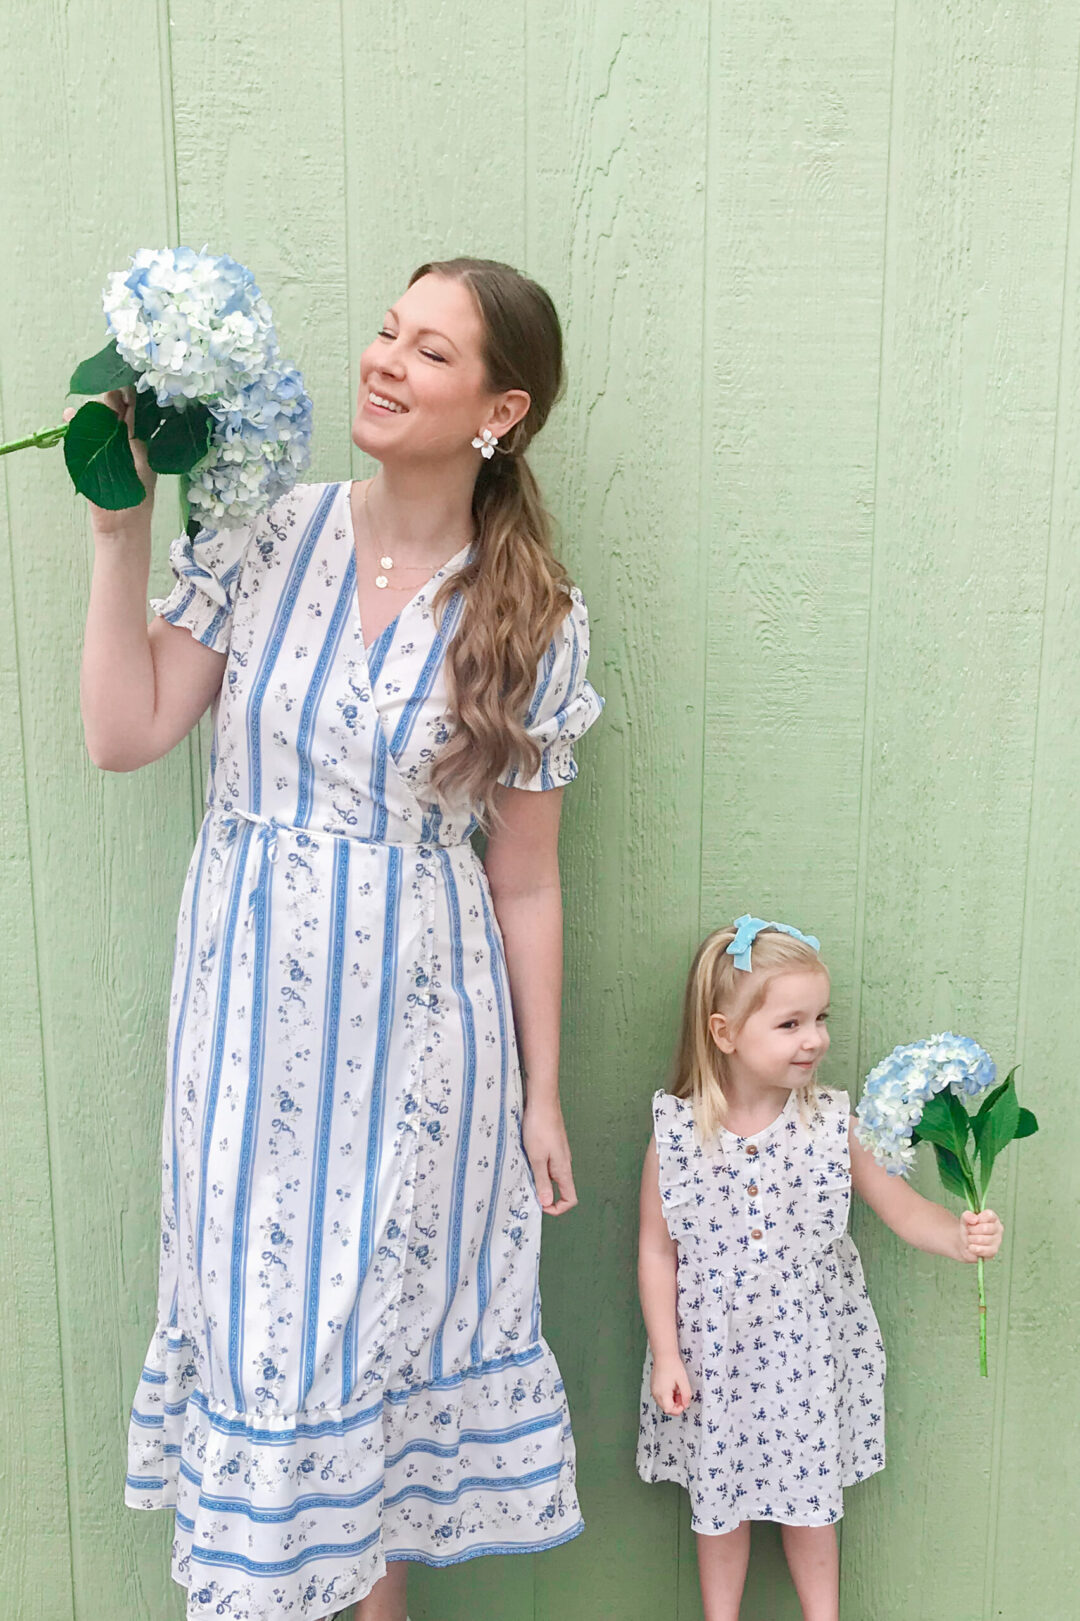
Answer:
(715, 985)
(516, 593)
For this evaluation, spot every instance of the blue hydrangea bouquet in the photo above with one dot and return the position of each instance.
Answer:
(916, 1095)
(193, 336)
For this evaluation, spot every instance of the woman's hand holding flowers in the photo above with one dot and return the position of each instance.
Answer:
(126, 520)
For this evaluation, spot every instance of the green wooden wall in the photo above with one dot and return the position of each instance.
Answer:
(818, 472)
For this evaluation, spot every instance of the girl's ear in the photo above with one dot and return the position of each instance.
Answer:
(720, 1030)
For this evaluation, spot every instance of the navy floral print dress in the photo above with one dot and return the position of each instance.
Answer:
(348, 1365)
(775, 1326)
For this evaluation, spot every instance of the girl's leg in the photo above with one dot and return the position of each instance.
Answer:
(815, 1569)
(386, 1601)
(722, 1565)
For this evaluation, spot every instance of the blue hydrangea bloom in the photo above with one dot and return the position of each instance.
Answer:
(195, 327)
(898, 1089)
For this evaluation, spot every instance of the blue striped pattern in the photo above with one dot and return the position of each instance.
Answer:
(300, 563)
(468, 1032)
(376, 1107)
(242, 1210)
(221, 1020)
(317, 687)
(483, 1266)
(181, 1017)
(327, 1077)
(433, 663)
(380, 752)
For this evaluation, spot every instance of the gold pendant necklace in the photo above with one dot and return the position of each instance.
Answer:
(386, 563)
(381, 580)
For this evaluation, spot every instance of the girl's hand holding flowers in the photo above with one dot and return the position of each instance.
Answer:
(917, 1095)
(980, 1235)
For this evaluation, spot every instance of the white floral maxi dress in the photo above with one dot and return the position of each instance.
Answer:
(775, 1326)
(348, 1366)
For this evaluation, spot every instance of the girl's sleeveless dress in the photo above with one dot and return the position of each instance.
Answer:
(776, 1330)
(348, 1366)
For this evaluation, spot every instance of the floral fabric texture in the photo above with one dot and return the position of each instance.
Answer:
(775, 1327)
(348, 1365)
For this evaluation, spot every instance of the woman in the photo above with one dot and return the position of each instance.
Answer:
(348, 1371)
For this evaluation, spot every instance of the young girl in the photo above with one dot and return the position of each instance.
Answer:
(763, 1381)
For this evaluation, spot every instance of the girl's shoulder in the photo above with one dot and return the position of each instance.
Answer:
(673, 1126)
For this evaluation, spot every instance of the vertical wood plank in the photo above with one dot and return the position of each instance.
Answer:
(35, 1543)
(618, 113)
(84, 150)
(1035, 1461)
(798, 160)
(981, 144)
(258, 108)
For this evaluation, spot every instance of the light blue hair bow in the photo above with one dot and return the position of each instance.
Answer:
(747, 930)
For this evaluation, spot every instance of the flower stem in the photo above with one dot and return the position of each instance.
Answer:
(42, 440)
(982, 1320)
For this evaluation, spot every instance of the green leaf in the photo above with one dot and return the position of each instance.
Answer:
(952, 1173)
(147, 414)
(979, 1120)
(941, 1124)
(180, 439)
(1026, 1126)
(101, 372)
(998, 1131)
(99, 458)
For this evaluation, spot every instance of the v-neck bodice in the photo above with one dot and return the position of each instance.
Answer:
(315, 730)
(424, 593)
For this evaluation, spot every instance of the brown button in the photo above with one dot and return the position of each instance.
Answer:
(752, 1190)
(756, 1232)
(751, 1149)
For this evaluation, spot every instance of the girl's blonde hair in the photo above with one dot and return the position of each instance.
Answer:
(715, 985)
(515, 591)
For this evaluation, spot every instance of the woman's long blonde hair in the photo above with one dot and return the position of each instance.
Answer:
(715, 985)
(516, 593)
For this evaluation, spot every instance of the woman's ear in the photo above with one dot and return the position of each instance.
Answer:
(720, 1030)
(509, 409)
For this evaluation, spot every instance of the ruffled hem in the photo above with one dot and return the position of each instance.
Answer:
(708, 1526)
(298, 1515)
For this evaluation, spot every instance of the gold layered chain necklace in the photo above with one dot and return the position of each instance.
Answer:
(387, 565)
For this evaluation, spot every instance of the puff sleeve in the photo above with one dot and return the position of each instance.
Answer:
(207, 571)
(563, 705)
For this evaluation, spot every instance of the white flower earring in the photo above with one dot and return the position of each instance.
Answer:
(485, 443)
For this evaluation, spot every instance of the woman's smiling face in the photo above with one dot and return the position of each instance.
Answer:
(423, 384)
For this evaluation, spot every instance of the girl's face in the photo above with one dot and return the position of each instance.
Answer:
(782, 1043)
(423, 385)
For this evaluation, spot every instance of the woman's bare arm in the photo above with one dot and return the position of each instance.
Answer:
(143, 687)
(522, 864)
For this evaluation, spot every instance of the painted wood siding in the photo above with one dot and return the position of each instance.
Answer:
(817, 474)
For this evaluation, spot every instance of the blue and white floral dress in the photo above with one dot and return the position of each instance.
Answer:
(775, 1326)
(348, 1366)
